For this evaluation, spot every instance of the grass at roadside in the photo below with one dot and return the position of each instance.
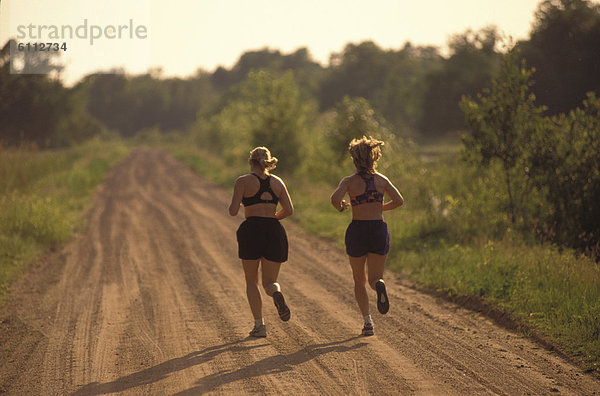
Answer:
(435, 243)
(555, 294)
(42, 196)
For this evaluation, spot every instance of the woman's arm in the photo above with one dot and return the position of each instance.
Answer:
(337, 200)
(287, 207)
(396, 198)
(238, 194)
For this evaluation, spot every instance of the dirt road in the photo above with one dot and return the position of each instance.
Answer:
(150, 299)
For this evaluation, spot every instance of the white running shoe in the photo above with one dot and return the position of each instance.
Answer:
(259, 331)
(368, 329)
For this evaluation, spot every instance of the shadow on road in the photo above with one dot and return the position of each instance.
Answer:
(273, 364)
(161, 371)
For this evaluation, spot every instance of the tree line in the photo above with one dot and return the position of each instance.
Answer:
(538, 119)
(415, 89)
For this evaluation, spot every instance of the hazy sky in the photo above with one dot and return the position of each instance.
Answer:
(181, 36)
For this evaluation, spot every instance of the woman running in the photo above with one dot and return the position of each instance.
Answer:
(367, 236)
(262, 240)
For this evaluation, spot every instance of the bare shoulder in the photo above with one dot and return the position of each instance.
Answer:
(345, 184)
(277, 178)
(382, 181)
(346, 180)
(242, 179)
(246, 181)
(382, 177)
(277, 182)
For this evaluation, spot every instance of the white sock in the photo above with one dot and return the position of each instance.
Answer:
(259, 322)
(272, 288)
(368, 319)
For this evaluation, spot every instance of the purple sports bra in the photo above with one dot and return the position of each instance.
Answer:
(370, 195)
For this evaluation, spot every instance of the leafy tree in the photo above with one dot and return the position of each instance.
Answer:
(132, 103)
(472, 63)
(359, 71)
(146, 99)
(502, 122)
(392, 81)
(31, 105)
(401, 99)
(563, 48)
(107, 100)
(278, 115)
(75, 124)
(227, 132)
(307, 72)
(555, 158)
(565, 166)
(266, 109)
(354, 118)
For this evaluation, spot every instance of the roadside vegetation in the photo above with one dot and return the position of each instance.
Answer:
(43, 195)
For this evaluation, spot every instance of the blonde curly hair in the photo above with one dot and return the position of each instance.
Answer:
(261, 156)
(365, 153)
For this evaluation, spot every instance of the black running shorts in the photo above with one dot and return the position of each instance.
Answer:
(367, 236)
(262, 237)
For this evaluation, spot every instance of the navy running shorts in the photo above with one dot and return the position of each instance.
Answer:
(262, 237)
(367, 236)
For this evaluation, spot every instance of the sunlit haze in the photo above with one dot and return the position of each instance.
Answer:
(183, 36)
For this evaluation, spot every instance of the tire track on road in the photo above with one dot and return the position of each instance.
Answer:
(150, 298)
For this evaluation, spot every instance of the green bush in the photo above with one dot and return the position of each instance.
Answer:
(550, 167)
(33, 217)
(267, 110)
(565, 168)
(44, 194)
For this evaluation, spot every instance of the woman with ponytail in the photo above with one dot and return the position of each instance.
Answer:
(262, 240)
(367, 236)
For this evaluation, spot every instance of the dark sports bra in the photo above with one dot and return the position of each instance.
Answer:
(265, 186)
(370, 195)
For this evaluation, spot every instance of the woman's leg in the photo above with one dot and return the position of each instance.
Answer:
(270, 272)
(360, 280)
(375, 266)
(251, 273)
